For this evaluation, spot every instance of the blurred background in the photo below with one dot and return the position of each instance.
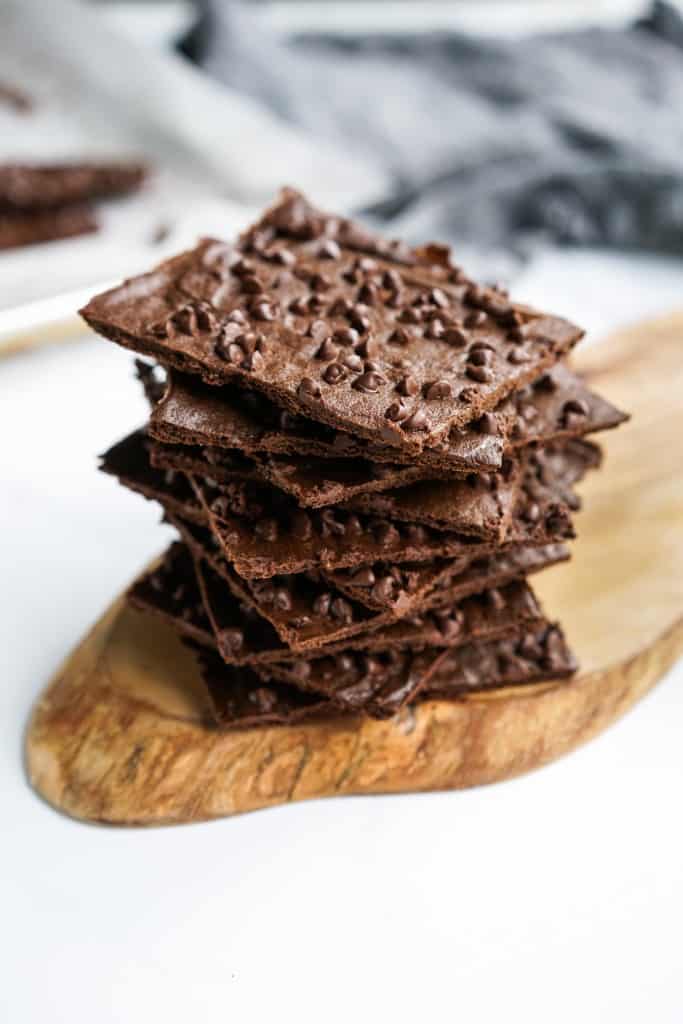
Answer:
(509, 129)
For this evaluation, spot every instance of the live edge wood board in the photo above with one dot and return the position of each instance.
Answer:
(118, 736)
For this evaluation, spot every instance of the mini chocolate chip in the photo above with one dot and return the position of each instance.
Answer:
(455, 336)
(391, 280)
(409, 316)
(359, 321)
(319, 283)
(206, 321)
(367, 294)
(237, 316)
(328, 350)
(516, 335)
(435, 329)
(308, 389)
(263, 311)
(231, 351)
(439, 389)
(575, 406)
(383, 590)
(341, 610)
(340, 307)
(252, 285)
(517, 356)
(369, 382)
(354, 527)
(478, 356)
(397, 411)
(418, 421)
(366, 348)
(329, 250)
(400, 337)
(330, 525)
(415, 533)
(301, 670)
(495, 599)
(487, 424)
(254, 361)
(363, 577)
(353, 361)
(266, 529)
(232, 640)
(301, 526)
(371, 364)
(476, 319)
(334, 373)
(318, 330)
(482, 374)
(545, 383)
(532, 512)
(346, 336)
(408, 385)
(386, 533)
(439, 298)
(344, 664)
(283, 599)
(321, 605)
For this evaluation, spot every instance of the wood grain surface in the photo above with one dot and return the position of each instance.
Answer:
(119, 735)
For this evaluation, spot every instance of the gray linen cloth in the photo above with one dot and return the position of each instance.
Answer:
(495, 144)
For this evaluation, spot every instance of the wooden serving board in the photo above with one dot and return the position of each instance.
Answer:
(119, 734)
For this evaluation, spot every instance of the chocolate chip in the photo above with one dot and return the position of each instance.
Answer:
(301, 670)
(486, 424)
(230, 351)
(363, 577)
(319, 283)
(346, 336)
(344, 664)
(282, 599)
(342, 611)
(516, 335)
(321, 605)
(408, 385)
(546, 383)
(455, 336)
(353, 361)
(263, 311)
(266, 529)
(478, 356)
(400, 337)
(330, 525)
(415, 533)
(383, 590)
(575, 407)
(354, 526)
(391, 280)
(254, 361)
(410, 316)
(438, 390)
(359, 321)
(252, 285)
(301, 526)
(367, 294)
(439, 298)
(340, 307)
(495, 599)
(532, 512)
(397, 411)
(482, 374)
(298, 306)
(329, 250)
(518, 356)
(369, 382)
(386, 533)
(434, 330)
(308, 389)
(328, 350)
(418, 421)
(476, 319)
(231, 640)
(318, 330)
(366, 349)
(334, 373)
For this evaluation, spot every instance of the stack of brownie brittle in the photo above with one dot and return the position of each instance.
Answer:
(365, 456)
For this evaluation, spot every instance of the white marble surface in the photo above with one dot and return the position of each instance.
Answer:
(556, 897)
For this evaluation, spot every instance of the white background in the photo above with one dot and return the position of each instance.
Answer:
(556, 897)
